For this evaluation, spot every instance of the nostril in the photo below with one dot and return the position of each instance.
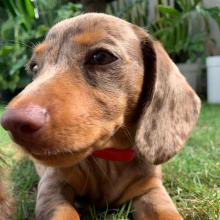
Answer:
(24, 120)
(30, 127)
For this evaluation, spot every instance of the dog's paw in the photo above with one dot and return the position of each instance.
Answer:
(65, 213)
(160, 215)
(169, 216)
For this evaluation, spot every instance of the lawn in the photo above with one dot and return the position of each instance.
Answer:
(192, 178)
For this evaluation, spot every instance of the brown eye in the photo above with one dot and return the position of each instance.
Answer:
(101, 58)
(34, 68)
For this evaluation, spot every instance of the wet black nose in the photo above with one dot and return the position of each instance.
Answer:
(23, 121)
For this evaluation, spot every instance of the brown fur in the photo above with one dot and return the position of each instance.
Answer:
(39, 49)
(88, 38)
(140, 100)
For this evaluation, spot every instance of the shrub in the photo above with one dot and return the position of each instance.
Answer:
(184, 29)
(24, 23)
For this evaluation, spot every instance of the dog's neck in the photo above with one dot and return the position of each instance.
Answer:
(118, 148)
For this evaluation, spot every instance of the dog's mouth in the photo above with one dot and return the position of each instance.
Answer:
(50, 154)
(61, 158)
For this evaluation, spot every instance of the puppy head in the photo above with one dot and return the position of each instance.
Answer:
(93, 73)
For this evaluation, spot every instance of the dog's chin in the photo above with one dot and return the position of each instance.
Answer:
(52, 156)
(65, 159)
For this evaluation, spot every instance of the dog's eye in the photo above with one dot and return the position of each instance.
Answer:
(101, 58)
(34, 68)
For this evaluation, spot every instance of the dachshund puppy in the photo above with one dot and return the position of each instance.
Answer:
(106, 107)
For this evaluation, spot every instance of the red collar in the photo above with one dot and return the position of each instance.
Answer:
(115, 154)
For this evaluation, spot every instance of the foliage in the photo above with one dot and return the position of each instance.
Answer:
(23, 24)
(183, 30)
(134, 11)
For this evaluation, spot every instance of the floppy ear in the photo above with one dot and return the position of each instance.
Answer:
(170, 106)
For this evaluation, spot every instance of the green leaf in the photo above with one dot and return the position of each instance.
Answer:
(134, 11)
(41, 31)
(6, 50)
(20, 63)
(7, 29)
(29, 8)
(168, 11)
(11, 7)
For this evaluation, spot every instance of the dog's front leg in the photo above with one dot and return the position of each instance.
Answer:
(155, 204)
(54, 198)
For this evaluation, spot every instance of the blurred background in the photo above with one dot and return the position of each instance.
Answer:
(190, 32)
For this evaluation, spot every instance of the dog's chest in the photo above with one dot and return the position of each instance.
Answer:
(104, 181)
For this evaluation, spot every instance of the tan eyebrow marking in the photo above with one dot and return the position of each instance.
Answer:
(88, 38)
(40, 48)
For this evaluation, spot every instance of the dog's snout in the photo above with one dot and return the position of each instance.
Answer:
(21, 121)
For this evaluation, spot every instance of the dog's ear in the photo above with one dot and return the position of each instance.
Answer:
(170, 107)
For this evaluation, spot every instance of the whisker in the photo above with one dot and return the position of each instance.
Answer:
(128, 135)
(100, 167)
(14, 42)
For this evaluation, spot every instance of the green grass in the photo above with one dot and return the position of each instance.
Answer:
(192, 178)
